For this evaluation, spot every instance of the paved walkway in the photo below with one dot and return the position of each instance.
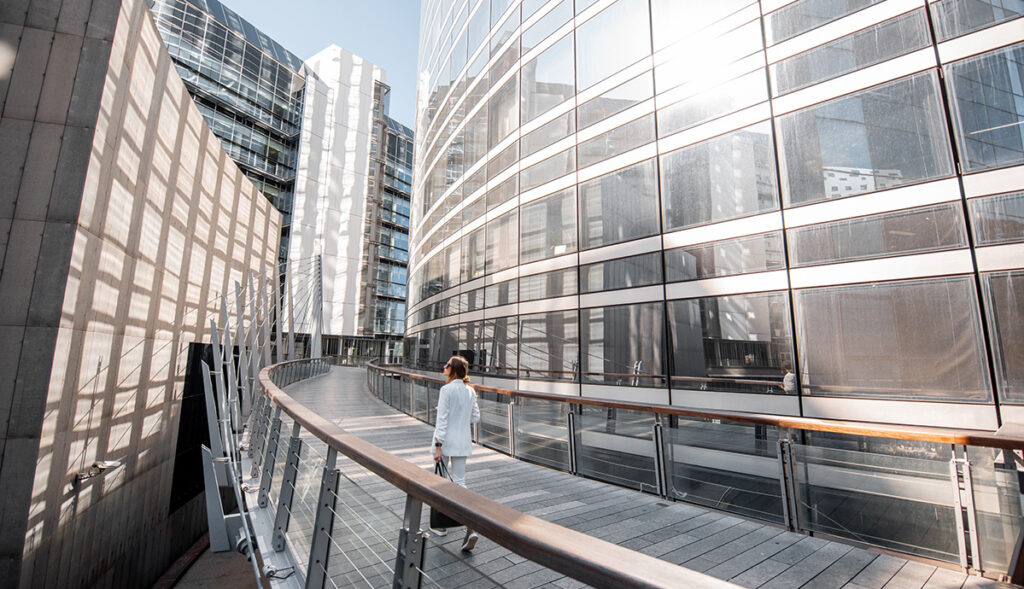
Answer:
(746, 552)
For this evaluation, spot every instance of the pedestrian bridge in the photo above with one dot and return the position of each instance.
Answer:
(336, 481)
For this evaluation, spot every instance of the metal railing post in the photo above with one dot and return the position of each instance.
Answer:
(411, 547)
(787, 482)
(323, 524)
(269, 458)
(570, 422)
(284, 498)
(512, 427)
(660, 465)
(964, 512)
(261, 435)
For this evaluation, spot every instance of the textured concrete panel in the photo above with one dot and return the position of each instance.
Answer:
(70, 177)
(14, 136)
(19, 268)
(10, 36)
(85, 97)
(14, 11)
(51, 274)
(40, 167)
(27, 76)
(55, 96)
(42, 14)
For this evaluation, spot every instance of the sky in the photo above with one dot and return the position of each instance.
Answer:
(385, 32)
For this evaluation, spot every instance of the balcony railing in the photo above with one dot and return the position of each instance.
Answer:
(324, 518)
(944, 494)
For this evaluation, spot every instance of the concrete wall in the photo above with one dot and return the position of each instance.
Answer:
(121, 221)
(331, 184)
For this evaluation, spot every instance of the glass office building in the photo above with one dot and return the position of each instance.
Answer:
(810, 207)
(247, 86)
(382, 309)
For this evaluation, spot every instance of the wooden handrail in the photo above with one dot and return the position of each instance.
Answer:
(585, 558)
(967, 437)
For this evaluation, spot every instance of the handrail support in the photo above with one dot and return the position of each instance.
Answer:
(411, 547)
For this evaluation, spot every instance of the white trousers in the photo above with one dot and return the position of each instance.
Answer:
(457, 468)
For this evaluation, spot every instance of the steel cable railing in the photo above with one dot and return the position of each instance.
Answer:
(917, 490)
(352, 537)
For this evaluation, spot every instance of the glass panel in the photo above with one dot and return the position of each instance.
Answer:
(542, 432)
(894, 494)
(721, 51)
(498, 346)
(503, 242)
(473, 248)
(714, 102)
(619, 206)
(503, 192)
(548, 169)
(866, 47)
(997, 219)
(502, 293)
(735, 343)
(671, 20)
(503, 112)
(493, 428)
(730, 176)
(953, 18)
(988, 108)
(502, 161)
(1004, 294)
(617, 446)
(997, 505)
(902, 340)
(624, 345)
(420, 407)
(728, 466)
(548, 346)
(886, 136)
(627, 22)
(405, 395)
(548, 226)
(904, 232)
(743, 255)
(619, 140)
(805, 15)
(616, 100)
(642, 270)
(548, 133)
(548, 79)
(550, 284)
(549, 23)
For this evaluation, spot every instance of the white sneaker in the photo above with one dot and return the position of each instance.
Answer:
(469, 542)
(439, 531)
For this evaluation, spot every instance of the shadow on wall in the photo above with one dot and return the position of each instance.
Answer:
(167, 224)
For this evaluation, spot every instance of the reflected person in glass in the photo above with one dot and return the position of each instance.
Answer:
(457, 410)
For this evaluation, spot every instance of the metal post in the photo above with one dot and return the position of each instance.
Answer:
(265, 319)
(216, 447)
(660, 464)
(261, 440)
(291, 315)
(570, 421)
(964, 511)
(278, 328)
(511, 427)
(318, 311)
(787, 482)
(244, 390)
(323, 526)
(287, 494)
(270, 457)
(411, 547)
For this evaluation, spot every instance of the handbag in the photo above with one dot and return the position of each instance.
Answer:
(438, 519)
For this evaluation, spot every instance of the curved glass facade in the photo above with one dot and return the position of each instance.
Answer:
(797, 207)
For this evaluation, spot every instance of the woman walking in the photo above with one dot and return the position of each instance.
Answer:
(456, 411)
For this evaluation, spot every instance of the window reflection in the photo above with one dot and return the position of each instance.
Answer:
(634, 271)
(627, 23)
(623, 345)
(737, 343)
(619, 206)
(549, 346)
(548, 226)
(548, 79)
(958, 17)
(804, 15)
(905, 340)
(921, 230)
(988, 108)
(758, 253)
(1004, 293)
(998, 219)
(722, 178)
(558, 283)
(503, 242)
(886, 136)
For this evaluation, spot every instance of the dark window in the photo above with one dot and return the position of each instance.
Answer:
(619, 206)
(549, 346)
(642, 270)
(743, 255)
(1005, 294)
(623, 345)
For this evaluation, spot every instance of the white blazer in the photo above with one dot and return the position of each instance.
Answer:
(456, 410)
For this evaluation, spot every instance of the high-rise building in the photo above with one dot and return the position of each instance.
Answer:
(790, 207)
(248, 87)
(316, 139)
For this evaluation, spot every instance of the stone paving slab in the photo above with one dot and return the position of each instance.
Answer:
(746, 552)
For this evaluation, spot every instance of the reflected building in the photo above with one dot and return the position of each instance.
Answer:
(315, 137)
(668, 202)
